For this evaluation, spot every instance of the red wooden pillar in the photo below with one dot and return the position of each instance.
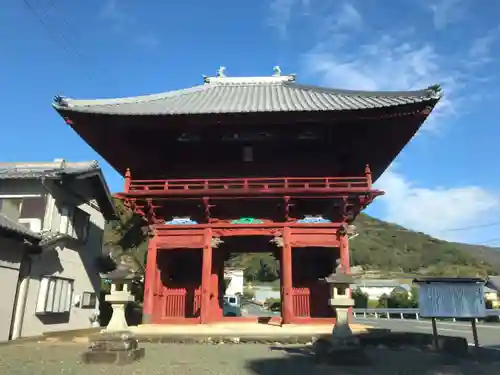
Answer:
(344, 254)
(206, 276)
(217, 276)
(345, 261)
(286, 277)
(150, 282)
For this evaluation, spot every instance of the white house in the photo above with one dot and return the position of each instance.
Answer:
(376, 288)
(234, 281)
(51, 233)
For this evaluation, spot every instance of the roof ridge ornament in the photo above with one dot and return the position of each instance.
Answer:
(277, 71)
(435, 91)
(60, 101)
(221, 72)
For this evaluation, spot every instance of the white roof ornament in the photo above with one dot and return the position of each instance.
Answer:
(220, 72)
(277, 71)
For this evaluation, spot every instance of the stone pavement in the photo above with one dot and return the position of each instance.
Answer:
(232, 359)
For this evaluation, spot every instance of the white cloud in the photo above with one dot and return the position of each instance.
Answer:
(435, 210)
(387, 64)
(445, 12)
(480, 51)
(122, 22)
(281, 13)
(348, 17)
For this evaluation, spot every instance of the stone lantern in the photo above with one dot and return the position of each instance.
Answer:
(341, 301)
(121, 280)
(342, 348)
(116, 344)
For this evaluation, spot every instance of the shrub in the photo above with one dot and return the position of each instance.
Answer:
(248, 293)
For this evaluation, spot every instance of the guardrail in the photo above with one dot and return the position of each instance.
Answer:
(403, 313)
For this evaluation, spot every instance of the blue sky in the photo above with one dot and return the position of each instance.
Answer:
(447, 178)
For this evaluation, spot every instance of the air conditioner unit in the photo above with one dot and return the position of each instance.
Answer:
(35, 225)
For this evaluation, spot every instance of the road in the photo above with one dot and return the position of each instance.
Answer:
(488, 334)
(256, 310)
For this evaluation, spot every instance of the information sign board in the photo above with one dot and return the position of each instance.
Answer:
(452, 300)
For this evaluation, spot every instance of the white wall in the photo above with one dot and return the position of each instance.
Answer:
(235, 283)
(11, 253)
(374, 293)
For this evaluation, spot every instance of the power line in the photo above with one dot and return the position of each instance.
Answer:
(488, 241)
(46, 26)
(57, 36)
(472, 227)
(492, 224)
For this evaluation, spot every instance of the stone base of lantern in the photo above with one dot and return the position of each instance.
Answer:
(119, 348)
(342, 348)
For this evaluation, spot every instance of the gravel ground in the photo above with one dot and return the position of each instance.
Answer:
(243, 359)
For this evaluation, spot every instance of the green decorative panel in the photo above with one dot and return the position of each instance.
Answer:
(247, 220)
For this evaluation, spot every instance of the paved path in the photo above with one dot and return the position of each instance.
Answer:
(489, 334)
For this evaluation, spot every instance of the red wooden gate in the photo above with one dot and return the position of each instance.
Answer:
(177, 295)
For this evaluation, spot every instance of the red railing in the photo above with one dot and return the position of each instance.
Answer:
(246, 184)
(300, 300)
(281, 184)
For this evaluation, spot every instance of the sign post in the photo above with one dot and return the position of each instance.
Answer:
(452, 298)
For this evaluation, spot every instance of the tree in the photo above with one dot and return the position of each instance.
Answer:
(360, 299)
(383, 301)
(399, 298)
(415, 295)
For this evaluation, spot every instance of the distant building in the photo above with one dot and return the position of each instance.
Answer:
(234, 281)
(52, 218)
(492, 291)
(376, 288)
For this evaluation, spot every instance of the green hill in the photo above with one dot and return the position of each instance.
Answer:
(380, 248)
(388, 247)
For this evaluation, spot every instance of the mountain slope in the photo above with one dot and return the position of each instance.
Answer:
(389, 247)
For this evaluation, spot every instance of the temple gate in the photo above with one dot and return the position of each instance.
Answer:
(247, 158)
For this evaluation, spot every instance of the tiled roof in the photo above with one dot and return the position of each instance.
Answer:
(378, 283)
(248, 94)
(12, 226)
(54, 169)
(493, 282)
(58, 169)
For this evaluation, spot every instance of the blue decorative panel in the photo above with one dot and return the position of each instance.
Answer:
(309, 219)
(181, 221)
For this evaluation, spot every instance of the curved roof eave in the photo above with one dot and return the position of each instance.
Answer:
(248, 98)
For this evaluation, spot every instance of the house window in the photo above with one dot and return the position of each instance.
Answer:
(29, 211)
(33, 208)
(75, 223)
(89, 300)
(54, 296)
